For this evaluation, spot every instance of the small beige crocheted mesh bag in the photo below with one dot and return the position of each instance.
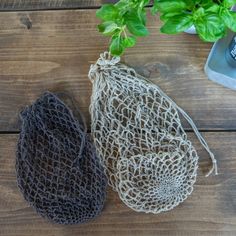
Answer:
(139, 137)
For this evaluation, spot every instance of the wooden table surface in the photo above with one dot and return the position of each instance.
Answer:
(49, 45)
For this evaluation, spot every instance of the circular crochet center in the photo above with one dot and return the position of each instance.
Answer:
(156, 182)
(58, 171)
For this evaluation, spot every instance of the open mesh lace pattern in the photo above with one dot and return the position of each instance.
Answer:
(58, 171)
(137, 131)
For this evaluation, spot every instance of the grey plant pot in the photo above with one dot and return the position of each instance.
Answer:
(218, 68)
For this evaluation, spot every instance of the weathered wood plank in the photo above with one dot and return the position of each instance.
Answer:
(13, 5)
(210, 210)
(52, 50)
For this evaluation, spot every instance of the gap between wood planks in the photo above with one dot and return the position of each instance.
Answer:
(51, 9)
(186, 130)
(56, 8)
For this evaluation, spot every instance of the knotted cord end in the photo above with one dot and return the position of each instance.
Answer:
(214, 166)
(105, 62)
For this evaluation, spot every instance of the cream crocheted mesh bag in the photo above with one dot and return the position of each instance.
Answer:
(139, 137)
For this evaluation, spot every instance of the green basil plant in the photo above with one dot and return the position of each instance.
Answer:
(125, 20)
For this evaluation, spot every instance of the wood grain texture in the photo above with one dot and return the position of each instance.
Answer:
(13, 5)
(209, 211)
(52, 50)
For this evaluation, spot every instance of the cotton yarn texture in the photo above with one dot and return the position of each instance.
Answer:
(58, 171)
(138, 134)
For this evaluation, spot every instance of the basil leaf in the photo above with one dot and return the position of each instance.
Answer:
(134, 24)
(107, 12)
(171, 6)
(177, 24)
(200, 12)
(213, 8)
(108, 27)
(210, 28)
(122, 6)
(142, 15)
(136, 28)
(208, 3)
(166, 16)
(129, 42)
(229, 3)
(229, 18)
(116, 46)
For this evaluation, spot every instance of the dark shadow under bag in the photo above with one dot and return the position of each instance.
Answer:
(58, 171)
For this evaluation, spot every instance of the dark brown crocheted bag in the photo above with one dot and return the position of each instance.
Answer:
(58, 171)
